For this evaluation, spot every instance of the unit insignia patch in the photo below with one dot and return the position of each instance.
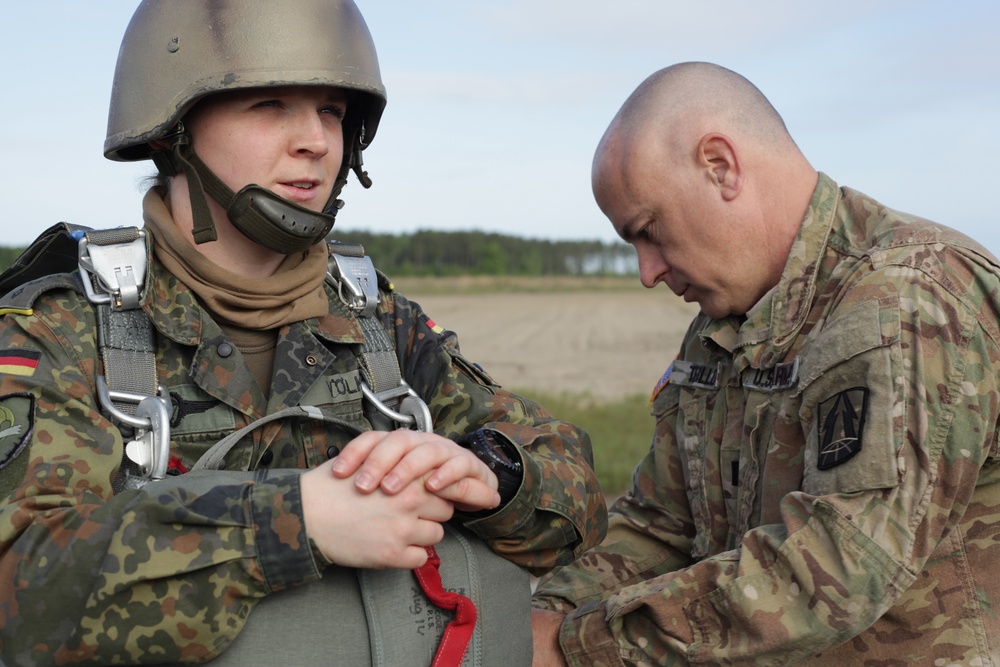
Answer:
(17, 418)
(841, 424)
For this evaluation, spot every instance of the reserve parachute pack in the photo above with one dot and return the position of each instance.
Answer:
(466, 606)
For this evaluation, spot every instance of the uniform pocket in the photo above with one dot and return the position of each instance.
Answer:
(849, 402)
(198, 416)
(697, 437)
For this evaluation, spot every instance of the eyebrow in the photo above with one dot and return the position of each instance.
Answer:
(629, 231)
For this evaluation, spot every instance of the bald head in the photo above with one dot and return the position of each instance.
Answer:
(698, 171)
(691, 98)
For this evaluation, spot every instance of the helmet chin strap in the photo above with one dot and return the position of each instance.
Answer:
(262, 216)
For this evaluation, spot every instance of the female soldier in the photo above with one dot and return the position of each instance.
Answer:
(254, 113)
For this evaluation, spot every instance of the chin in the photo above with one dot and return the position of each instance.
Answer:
(715, 311)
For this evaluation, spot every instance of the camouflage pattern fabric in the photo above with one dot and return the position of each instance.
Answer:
(169, 573)
(823, 485)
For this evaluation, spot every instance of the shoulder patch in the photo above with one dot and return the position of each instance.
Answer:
(432, 325)
(19, 361)
(841, 422)
(17, 419)
(662, 382)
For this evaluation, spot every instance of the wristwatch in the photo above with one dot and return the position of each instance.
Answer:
(500, 456)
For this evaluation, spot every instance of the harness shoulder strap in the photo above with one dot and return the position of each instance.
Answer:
(391, 402)
(109, 267)
(112, 266)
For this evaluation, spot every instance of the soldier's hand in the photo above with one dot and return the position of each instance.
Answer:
(545, 626)
(390, 461)
(374, 529)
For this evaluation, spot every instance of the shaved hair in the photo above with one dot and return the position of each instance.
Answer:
(697, 145)
(705, 94)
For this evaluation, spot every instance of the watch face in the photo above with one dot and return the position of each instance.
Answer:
(501, 457)
(495, 450)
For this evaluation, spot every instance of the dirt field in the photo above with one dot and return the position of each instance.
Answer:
(607, 338)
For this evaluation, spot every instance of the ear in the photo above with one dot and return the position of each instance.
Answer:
(717, 155)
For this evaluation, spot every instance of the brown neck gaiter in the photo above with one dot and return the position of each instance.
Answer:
(293, 293)
(249, 310)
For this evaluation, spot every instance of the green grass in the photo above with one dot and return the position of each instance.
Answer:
(621, 432)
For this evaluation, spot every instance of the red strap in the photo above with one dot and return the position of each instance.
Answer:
(458, 634)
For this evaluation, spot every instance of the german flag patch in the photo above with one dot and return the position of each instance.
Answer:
(434, 326)
(19, 361)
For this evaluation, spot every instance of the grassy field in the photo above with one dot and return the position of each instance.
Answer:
(620, 431)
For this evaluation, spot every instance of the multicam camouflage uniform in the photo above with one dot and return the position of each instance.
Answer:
(823, 486)
(156, 575)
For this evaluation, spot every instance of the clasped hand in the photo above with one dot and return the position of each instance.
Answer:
(384, 498)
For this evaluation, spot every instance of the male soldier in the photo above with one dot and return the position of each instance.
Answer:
(822, 486)
(254, 112)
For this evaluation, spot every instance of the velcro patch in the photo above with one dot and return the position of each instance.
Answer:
(841, 424)
(432, 325)
(333, 389)
(691, 374)
(662, 382)
(780, 378)
(17, 419)
(19, 361)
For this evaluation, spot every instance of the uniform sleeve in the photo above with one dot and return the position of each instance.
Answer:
(559, 512)
(167, 573)
(650, 532)
(854, 537)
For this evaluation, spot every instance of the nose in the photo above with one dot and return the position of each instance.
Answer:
(311, 134)
(652, 266)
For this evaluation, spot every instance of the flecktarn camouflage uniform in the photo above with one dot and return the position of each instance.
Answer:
(823, 485)
(169, 573)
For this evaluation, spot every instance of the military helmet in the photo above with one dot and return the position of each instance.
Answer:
(175, 53)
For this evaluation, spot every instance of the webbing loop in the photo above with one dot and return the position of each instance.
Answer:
(458, 633)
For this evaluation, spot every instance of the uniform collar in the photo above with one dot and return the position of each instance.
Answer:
(178, 315)
(772, 324)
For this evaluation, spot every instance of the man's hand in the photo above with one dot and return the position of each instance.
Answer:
(373, 529)
(545, 626)
(390, 461)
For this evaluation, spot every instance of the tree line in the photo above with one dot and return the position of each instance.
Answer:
(437, 253)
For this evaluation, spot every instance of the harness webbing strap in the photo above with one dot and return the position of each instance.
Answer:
(127, 350)
(380, 367)
(125, 334)
(458, 633)
(216, 454)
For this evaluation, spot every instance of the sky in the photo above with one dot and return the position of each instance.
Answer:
(496, 106)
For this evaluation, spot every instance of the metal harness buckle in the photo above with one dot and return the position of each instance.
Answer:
(118, 270)
(413, 412)
(150, 449)
(113, 271)
(356, 275)
(357, 286)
